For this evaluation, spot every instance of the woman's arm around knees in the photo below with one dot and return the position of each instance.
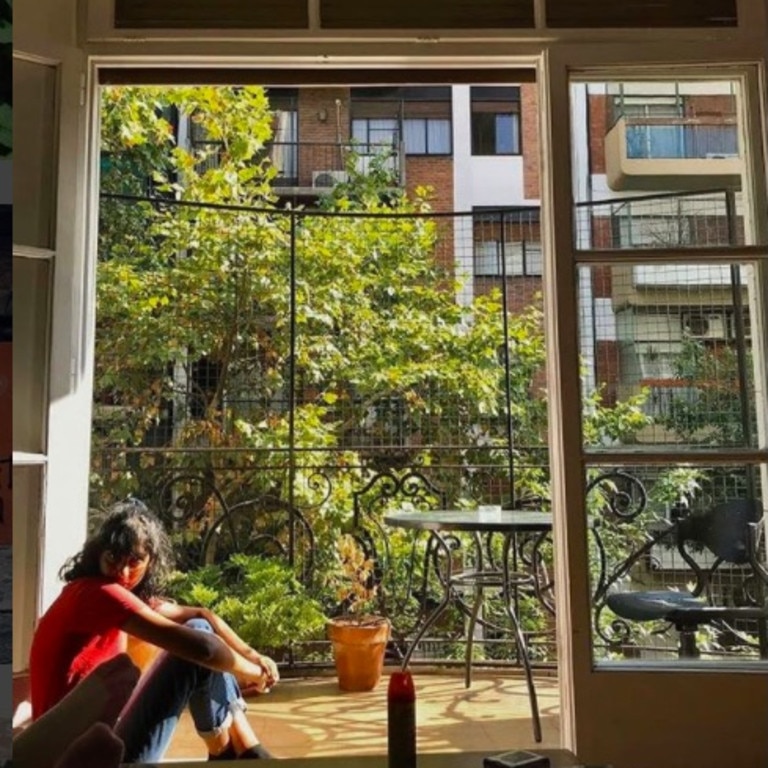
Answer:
(203, 648)
(182, 613)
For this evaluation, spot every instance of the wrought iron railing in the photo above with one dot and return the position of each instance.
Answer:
(321, 165)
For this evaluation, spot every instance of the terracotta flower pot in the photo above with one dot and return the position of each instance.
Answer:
(359, 643)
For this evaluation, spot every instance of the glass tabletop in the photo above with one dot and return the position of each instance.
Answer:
(503, 520)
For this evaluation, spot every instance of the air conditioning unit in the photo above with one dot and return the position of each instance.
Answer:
(704, 325)
(327, 179)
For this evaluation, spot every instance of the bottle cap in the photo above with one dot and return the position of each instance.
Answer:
(401, 687)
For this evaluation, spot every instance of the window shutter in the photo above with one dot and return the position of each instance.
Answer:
(211, 14)
(411, 14)
(581, 14)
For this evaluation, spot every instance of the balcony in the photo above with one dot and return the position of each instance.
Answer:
(672, 153)
(307, 169)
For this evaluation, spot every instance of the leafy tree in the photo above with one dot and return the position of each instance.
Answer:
(185, 289)
(199, 346)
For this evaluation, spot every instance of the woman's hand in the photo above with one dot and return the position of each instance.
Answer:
(271, 673)
(253, 677)
(266, 663)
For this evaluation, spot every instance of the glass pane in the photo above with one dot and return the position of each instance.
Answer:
(382, 132)
(415, 137)
(439, 137)
(669, 355)
(506, 134)
(31, 321)
(677, 563)
(360, 130)
(670, 150)
(483, 133)
(283, 148)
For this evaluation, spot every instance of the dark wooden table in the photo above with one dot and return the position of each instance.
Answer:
(558, 758)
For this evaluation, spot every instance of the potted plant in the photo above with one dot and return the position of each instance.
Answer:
(359, 637)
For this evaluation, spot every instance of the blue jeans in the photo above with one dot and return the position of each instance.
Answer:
(148, 721)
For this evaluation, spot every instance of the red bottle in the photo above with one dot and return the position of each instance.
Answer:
(401, 720)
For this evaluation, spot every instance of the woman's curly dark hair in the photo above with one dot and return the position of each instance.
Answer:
(128, 525)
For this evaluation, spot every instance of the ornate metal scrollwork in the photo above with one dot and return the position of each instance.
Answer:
(369, 503)
(192, 505)
(623, 494)
(622, 499)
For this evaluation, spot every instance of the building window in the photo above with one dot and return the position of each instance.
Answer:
(523, 259)
(419, 117)
(421, 136)
(371, 132)
(515, 232)
(495, 120)
(283, 147)
(427, 136)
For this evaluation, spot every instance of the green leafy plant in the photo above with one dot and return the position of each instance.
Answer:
(259, 598)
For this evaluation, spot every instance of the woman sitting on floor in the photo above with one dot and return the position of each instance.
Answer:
(114, 588)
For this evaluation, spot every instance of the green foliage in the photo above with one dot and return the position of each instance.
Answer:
(619, 424)
(258, 597)
(377, 325)
(382, 353)
(709, 409)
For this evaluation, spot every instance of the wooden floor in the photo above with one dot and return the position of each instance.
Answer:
(312, 717)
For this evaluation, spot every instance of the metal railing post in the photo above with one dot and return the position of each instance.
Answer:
(292, 396)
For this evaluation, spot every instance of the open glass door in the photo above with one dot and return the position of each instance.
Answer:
(666, 554)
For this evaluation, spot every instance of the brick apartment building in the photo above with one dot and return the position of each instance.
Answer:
(660, 166)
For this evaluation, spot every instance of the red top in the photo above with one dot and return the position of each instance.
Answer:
(80, 630)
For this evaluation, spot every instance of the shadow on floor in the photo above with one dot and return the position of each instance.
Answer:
(311, 716)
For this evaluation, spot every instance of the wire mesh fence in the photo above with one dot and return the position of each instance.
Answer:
(257, 369)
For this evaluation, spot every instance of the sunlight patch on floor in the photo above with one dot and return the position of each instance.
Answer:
(311, 716)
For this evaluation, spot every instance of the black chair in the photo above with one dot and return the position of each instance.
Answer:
(731, 533)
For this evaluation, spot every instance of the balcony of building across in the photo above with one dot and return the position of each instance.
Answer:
(657, 153)
(308, 169)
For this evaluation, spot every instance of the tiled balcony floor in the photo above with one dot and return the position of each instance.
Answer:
(311, 716)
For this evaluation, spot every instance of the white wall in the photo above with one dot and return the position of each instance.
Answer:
(481, 181)
(47, 30)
